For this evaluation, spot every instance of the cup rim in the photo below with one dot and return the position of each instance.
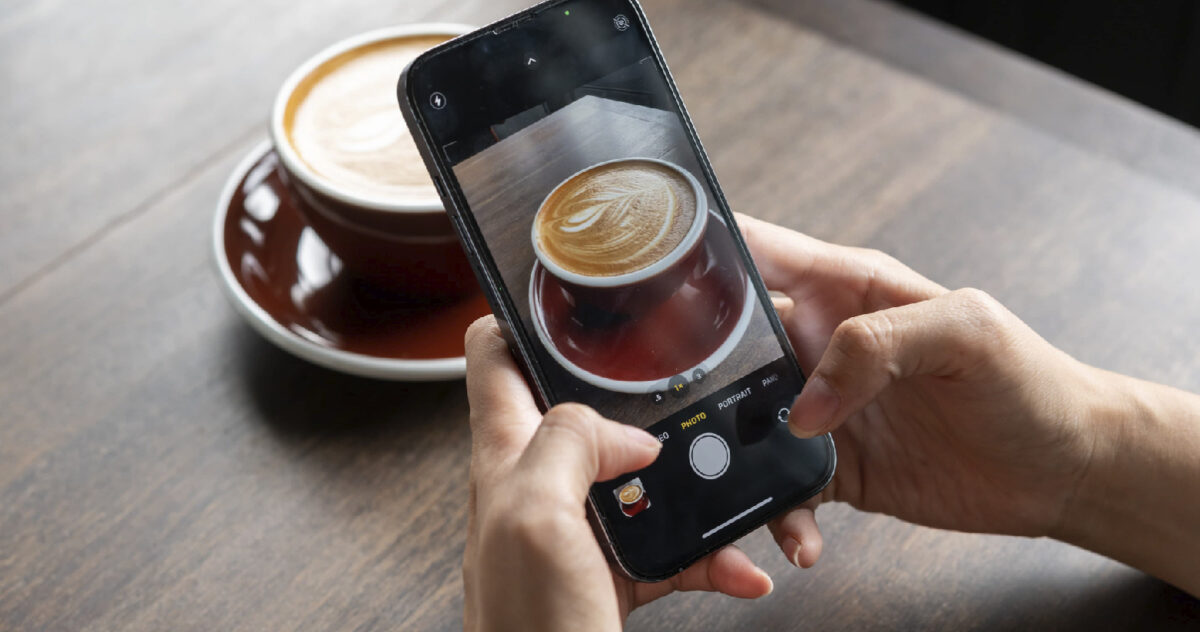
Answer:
(292, 161)
(641, 492)
(689, 241)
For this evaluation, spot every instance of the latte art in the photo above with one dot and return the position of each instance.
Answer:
(617, 218)
(344, 123)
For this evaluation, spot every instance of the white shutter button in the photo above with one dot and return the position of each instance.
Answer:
(709, 455)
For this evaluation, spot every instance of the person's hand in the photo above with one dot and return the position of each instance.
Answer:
(946, 409)
(531, 560)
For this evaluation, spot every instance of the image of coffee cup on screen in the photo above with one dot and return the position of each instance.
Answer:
(621, 236)
(628, 286)
(632, 498)
(602, 225)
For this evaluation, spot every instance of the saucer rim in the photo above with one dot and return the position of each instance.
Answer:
(641, 387)
(396, 369)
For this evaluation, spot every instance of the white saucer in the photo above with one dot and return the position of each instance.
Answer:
(256, 179)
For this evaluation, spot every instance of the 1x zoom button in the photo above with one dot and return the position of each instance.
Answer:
(709, 456)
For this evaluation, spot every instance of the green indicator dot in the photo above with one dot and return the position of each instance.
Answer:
(567, 12)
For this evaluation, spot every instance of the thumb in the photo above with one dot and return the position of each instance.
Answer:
(575, 446)
(867, 353)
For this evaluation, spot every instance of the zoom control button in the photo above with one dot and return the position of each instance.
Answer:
(678, 386)
(709, 456)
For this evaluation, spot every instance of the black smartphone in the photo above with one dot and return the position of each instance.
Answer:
(574, 177)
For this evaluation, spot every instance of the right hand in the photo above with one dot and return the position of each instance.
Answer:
(947, 410)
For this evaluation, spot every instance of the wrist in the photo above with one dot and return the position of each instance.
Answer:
(1134, 499)
(1113, 409)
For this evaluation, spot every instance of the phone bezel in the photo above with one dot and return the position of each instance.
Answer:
(501, 300)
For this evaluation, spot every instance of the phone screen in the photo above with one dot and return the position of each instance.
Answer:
(600, 222)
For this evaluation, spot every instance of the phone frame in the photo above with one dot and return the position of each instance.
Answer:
(500, 300)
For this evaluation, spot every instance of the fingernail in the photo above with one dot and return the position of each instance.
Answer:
(770, 582)
(643, 438)
(792, 550)
(814, 408)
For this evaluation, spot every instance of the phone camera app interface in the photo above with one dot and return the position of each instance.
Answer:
(605, 232)
(619, 261)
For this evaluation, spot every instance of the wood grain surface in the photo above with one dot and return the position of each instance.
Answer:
(162, 467)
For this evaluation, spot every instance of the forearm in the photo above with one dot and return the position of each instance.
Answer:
(1139, 500)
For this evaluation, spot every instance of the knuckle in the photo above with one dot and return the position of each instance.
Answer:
(574, 423)
(974, 296)
(867, 334)
(481, 328)
(571, 416)
(886, 282)
(989, 327)
(865, 343)
(982, 310)
(574, 428)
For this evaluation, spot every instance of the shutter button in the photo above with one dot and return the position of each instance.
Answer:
(709, 455)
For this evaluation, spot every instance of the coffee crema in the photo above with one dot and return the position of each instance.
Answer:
(616, 218)
(343, 122)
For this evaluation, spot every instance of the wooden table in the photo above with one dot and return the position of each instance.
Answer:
(162, 467)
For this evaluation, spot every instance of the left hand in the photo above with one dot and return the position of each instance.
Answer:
(531, 560)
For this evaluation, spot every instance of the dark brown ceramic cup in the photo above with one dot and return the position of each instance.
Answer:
(404, 246)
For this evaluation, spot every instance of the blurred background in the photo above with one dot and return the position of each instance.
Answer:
(1146, 51)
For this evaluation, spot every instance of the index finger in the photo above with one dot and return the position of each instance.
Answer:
(504, 414)
(795, 264)
(783, 257)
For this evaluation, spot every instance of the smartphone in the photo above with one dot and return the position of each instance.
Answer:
(593, 220)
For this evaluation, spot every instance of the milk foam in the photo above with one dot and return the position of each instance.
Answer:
(345, 125)
(617, 218)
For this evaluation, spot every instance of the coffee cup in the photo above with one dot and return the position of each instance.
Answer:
(353, 170)
(632, 498)
(622, 236)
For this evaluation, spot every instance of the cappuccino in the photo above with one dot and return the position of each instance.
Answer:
(343, 122)
(616, 218)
